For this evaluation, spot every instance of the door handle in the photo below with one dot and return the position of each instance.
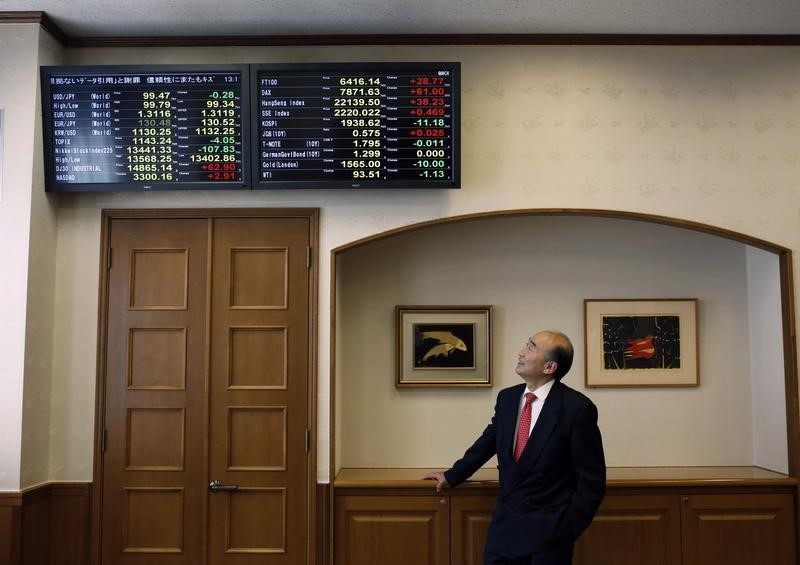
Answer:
(216, 486)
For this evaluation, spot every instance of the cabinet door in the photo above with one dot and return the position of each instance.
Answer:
(632, 530)
(392, 530)
(469, 524)
(738, 529)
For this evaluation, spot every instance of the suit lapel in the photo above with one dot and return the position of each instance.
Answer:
(510, 413)
(509, 422)
(548, 419)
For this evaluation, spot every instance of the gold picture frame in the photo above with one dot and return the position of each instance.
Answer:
(641, 342)
(444, 346)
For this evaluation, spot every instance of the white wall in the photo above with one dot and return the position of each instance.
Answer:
(36, 433)
(74, 344)
(19, 45)
(707, 134)
(766, 361)
(536, 272)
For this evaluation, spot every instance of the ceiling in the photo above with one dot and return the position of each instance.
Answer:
(98, 18)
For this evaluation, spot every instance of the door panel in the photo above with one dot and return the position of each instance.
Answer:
(154, 469)
(259, 391)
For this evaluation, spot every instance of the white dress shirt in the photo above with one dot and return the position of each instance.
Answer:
(536, 408)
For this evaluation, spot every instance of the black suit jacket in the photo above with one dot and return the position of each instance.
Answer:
(551, 495)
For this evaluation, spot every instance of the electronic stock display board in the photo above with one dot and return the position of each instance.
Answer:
(358, 125)
(150, 127)
(281, 126)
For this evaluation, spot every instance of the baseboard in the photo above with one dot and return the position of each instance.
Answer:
(323, 553)
(10, 528)
(46, 525)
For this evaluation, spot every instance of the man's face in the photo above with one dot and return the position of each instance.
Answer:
(531, 362)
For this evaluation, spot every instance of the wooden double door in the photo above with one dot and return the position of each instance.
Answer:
(206, 448)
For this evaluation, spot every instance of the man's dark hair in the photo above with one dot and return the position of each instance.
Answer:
(562, 353)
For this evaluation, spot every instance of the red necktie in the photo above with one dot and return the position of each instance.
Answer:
(524, 426)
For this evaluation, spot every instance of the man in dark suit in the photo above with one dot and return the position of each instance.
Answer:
(550, 458)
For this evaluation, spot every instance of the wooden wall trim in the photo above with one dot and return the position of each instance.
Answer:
(435, 39)
(746, 476)
(492, 490)
(318, 505)
(53, 29)
(790, 362)
(10, 532)
(71, 489)
(10, 499)
(584, 212)
(100, 394)
(790, 370)
(35, 17)
(47, 524)
(36, 525)
(203, 213)
(324, 520)
(70, 523)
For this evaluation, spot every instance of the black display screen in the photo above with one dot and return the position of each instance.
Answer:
(360, 125)
(146, 128)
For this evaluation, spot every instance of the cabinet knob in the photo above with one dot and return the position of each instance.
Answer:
(685, 499)
(443, 501)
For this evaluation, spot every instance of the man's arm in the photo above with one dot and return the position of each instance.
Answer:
(590, 467)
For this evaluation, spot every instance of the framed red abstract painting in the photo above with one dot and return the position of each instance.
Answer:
(637, 343)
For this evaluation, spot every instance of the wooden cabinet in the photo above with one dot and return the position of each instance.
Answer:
(691, 521)
(469, 524)
(700, 529)
(392, 530)
(738, 530)
(633, 530)
(423, 530)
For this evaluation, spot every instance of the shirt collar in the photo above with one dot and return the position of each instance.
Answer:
(541, 392)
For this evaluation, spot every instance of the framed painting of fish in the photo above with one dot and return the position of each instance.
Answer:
(641, 343)
(444, 346)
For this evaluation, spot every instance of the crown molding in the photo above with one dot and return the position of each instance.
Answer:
(435, 39)
(395, 39)
(40, 18)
